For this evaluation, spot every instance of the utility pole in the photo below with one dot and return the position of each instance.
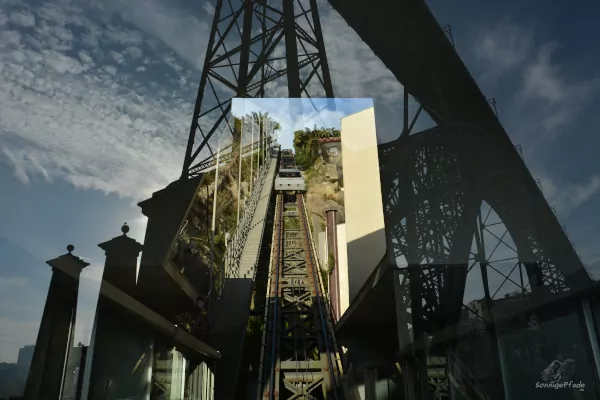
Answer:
(212, 242)
(240, 172)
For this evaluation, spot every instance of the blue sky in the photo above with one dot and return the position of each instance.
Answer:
(96, 98)
(296, 114)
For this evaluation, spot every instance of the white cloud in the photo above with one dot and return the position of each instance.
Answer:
(85, 58)
(63, 33)
(64, 119)
(135, 52)
(22, 18)
(548, 99)
(92, 37)
(209, 8)
(3, 18)
(171, 61)
(568, 196)
(561, 97)
(140, 69)
(18, 164)
(110, 69)
(124, 36)
(61, 63)
(118, 57)
(169, 24)
(502, 48)
(9, 39)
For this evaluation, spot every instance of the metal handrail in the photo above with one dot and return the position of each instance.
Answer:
(233, 253)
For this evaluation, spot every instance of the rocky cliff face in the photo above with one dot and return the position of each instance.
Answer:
(324, 190)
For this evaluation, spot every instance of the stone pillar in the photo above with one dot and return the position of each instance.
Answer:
(120, 341)
(332, 247)
(120, 267)
(55, 335)
(166, 211)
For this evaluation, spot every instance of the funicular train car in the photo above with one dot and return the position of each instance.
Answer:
(287, 159)
(289, 180)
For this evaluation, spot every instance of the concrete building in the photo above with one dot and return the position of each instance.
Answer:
(25, 356)
(361, 240)
(364, 228)
(330, 149)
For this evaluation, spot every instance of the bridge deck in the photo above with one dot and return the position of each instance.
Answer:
(406, 37)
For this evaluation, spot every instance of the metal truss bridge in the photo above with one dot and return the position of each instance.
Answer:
(452, 195)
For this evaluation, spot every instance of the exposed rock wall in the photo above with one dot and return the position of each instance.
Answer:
(324, 191)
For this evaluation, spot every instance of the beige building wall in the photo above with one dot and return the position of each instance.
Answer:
(343, 268)
(365, 233)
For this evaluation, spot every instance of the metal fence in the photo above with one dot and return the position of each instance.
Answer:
(235, 248)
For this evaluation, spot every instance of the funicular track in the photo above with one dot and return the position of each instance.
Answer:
(299, 357)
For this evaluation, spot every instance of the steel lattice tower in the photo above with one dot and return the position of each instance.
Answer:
(253, 46)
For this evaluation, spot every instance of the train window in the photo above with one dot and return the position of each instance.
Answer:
(290, 174)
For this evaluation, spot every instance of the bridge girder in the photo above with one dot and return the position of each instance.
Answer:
(434, 184)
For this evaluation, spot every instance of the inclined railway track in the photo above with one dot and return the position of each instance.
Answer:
(299, 358)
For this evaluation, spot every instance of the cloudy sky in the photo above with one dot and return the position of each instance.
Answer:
(96, 98)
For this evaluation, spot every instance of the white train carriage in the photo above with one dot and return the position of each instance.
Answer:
(289, 180)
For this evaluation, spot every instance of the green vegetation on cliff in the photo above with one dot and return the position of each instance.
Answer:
(195, 238)
(322, 174)
(306, 144)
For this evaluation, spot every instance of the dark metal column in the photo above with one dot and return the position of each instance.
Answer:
(189, 157)
(246, 42)
(321, 46)
(332, 247)
(488, 316)
(291, 50)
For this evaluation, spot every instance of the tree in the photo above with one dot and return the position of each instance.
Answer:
(259, 120)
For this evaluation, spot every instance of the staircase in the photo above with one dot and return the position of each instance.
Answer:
(232, 306)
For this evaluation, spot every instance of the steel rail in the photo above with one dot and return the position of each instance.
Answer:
(310, 265)
(272, 264)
